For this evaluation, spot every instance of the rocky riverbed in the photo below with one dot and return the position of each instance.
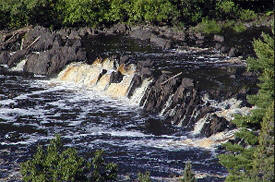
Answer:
(185, 89)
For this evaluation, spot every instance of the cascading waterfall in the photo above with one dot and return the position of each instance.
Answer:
(109, 78)
(99, 77)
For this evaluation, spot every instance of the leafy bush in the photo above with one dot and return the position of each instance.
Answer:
(57, 164)
(226, 9)
(119, 11)
(152, 11)
(84, 12)
(209, 26)
(103, 171)
(239, 27)
(191, 11)
(247, 14)
(18, 13)
(144, 177)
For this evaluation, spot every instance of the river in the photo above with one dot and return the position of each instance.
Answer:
(33, 109)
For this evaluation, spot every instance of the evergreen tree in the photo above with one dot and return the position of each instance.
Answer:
(252, 159)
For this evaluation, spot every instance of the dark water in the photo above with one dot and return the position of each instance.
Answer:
(34, 109)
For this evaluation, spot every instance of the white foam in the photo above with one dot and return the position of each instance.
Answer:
(19, 66)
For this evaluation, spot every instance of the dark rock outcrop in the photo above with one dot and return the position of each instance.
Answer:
(135, 83)
(4, 57)
(54, 60)
(177, 99)
(46, 52)
(116, 77)
(215, 124)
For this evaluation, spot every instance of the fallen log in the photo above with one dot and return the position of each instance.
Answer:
(171, 78)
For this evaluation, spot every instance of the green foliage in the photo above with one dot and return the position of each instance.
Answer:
(57, 13)
(81, 12)
(119, 11)
(151, 11)
(209, 27)
(247, 15)
(103, 171)
(239, 27)
(253, 158)
(226, 9)
(263, 164)
(191, 11)
(57, 164)
(144, 177)
(188, 175)
(18, 13)
(54, 164)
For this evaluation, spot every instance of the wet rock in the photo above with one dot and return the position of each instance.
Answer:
(199, 42)
(218, 38)
(146, 72)
(233, 52)
(74, 34)
(119, 29)
(147, 63)
(141, 34)
(161, 42)
(58, 42)
(54, 60)
(64, 33)
(224, 49)
(4, 57)
(45, 41)
(156, 127)
(135, 83)
(214, 125)
(18, 56)
(218, 46)
(124, 59)
(116, 77)
(199, 36)
(85, 31)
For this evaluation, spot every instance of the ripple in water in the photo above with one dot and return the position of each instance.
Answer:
(32, 111)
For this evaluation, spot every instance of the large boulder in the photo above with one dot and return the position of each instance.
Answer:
(41, 38)
(54, 60)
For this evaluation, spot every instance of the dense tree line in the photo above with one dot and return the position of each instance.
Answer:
(60, 13)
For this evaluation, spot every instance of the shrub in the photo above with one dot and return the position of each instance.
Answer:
(119, 11)
(239, 27)
(226, 9)
(144, 177)
(247, 14)
(153, 11)
(188, 175)
(84, 12)
(103, 171)
(209, 27)
(57, 164)
(192, 11)
(15, 11)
